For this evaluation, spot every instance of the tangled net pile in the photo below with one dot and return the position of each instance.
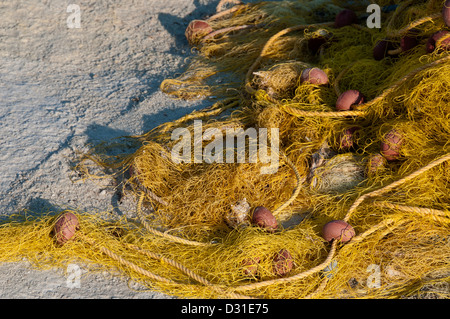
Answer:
(195, 236)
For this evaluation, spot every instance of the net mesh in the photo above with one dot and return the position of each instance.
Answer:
(183, 243)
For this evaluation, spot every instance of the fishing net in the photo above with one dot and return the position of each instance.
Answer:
(381, 165)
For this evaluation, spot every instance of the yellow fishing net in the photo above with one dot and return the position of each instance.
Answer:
(194, 236)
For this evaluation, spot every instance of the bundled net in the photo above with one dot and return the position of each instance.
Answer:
(379, 164)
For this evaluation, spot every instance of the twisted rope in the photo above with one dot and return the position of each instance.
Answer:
(297, 112)
(230, 29)
(162, 234)
(301, 275)
(401, 81)
(438, 215)
(371, 230)
(138, 187)
(173, 263)
(299, 181)
(216, 109)
(189, 272)
(359, 110)
(153, 276)
(125, 262)
(346, 218)
(222, 4)
(294, 195)
(394, 15)
(395, 184)
(412, 25)
(319, 289)
(226, 12)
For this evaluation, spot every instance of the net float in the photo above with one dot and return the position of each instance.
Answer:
(282, 263)
(349, 98)
(391, 144)
(439, 39)
(381, 49)
(314, 76)
(65, 227)
(250, 266)
(408, 42)
(347, 138)
(263, 218)
(338, 230)
(197, 29)
(344, 18)
(446, 13)
(375, 163)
